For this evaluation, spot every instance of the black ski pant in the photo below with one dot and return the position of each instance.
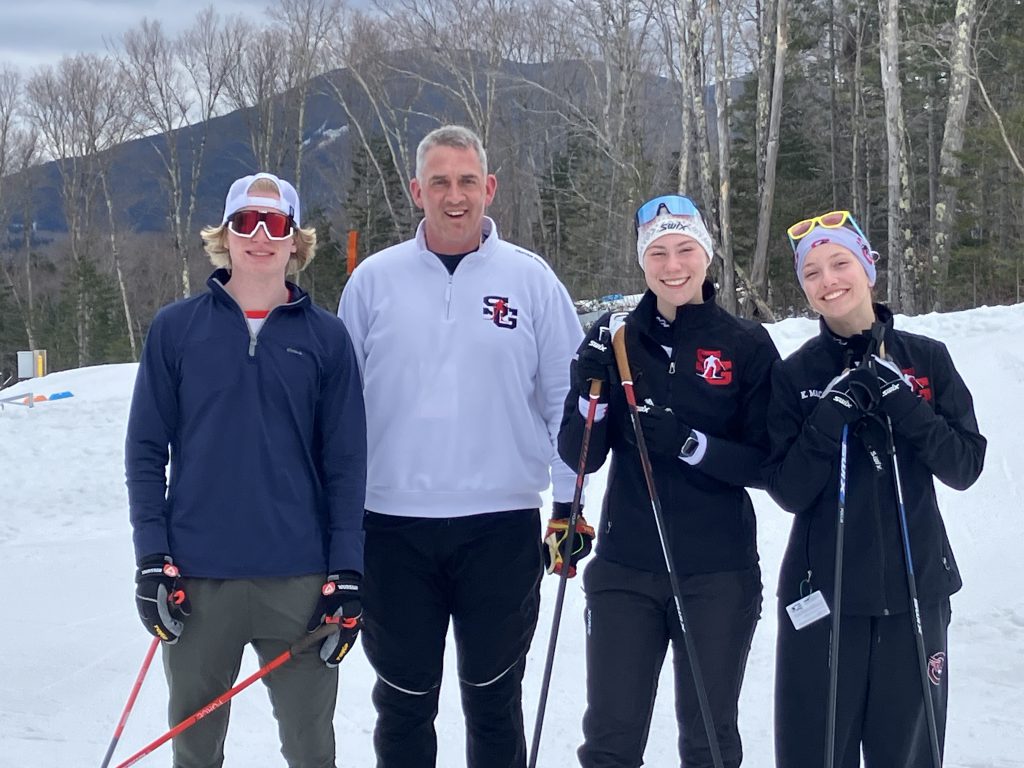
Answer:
(483, 573)
(879, 707)
(630, 620)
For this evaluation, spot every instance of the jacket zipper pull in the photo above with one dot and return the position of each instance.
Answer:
(252, 346)
(672, 367)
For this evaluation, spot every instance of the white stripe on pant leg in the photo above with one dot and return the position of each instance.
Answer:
(492, 680)
(406, 690)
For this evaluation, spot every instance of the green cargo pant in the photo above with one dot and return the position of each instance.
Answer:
(269, 614)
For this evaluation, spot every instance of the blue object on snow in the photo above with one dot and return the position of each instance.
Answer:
(61, 395)
(611, 297)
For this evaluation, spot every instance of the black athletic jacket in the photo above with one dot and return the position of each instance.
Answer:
(708, 513)
(939, 438)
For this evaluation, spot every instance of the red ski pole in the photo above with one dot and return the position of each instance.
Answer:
(307, 642)
(131, 702)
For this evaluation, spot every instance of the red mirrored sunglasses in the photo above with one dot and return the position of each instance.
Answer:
(277, 226)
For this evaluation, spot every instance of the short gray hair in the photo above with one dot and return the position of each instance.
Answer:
(455, 136)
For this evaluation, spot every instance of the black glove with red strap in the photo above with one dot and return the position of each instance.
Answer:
(162, 603)
(897, 395)
(555, 535)
(340, 603)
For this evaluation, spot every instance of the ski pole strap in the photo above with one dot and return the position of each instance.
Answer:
(877, 344)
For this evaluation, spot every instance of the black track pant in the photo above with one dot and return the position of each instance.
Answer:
(483, 572)
(630, 620)
(879, 707)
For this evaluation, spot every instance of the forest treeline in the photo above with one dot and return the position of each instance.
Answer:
(910, 113)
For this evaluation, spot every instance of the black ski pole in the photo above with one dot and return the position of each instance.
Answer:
(619, 345)
(563, 577)
(837, 600)
(915, 605)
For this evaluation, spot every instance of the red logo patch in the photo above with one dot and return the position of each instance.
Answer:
(919, 384)
(712, 368)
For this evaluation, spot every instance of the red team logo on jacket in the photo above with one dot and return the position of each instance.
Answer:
(712, 368)
(497, 310)
(917, 383)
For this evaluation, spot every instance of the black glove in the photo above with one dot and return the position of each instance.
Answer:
(848, 397)
(594, 362)
(341, 604)
(161, 601)
(897, 396)
(663, 432)
(554, 539)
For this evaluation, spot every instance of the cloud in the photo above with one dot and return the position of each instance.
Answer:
(37, 33)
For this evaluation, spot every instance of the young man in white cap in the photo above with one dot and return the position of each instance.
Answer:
(464, 341)
(887, 391)
(701, 376)
(250, 394)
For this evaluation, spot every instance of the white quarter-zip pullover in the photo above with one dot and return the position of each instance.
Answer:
(464, 377)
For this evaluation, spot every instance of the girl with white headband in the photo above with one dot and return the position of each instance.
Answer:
(701, 377)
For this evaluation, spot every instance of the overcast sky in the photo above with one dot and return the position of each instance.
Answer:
(35, 32)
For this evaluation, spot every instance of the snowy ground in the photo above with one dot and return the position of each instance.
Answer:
(70, 642)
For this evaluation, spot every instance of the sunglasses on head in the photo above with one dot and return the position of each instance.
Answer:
(677, 205)
(830, 220)
(277, 226)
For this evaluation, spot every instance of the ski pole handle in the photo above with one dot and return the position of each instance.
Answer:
(621, 359)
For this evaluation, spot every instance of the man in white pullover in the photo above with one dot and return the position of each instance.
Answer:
(464, 341)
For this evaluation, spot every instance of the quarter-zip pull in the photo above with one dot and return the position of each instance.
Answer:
(252, 344)
(672, 367)
(448, 299)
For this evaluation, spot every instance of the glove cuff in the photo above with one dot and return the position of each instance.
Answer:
(156, 565)
(346, 577)
(157, 559)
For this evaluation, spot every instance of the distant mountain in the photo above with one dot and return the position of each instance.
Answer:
(137, 177)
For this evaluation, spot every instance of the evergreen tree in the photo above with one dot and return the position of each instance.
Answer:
(366, 209)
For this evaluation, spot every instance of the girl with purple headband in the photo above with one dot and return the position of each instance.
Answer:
(855, 405)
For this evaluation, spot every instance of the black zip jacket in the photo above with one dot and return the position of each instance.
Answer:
(710, 519)
(938, 438)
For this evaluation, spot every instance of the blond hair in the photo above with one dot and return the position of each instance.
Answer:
(215, 239)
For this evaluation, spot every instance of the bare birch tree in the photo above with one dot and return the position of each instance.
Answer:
(952, 143)
(13, 160)
(724, 174)
(50, 96)
(901, 255)
(307, 26)
(766, 186)
(180, 84)
(365, 45)
(254, 86)
(108, 117)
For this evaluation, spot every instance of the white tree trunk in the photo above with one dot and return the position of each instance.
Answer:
(952, 143)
